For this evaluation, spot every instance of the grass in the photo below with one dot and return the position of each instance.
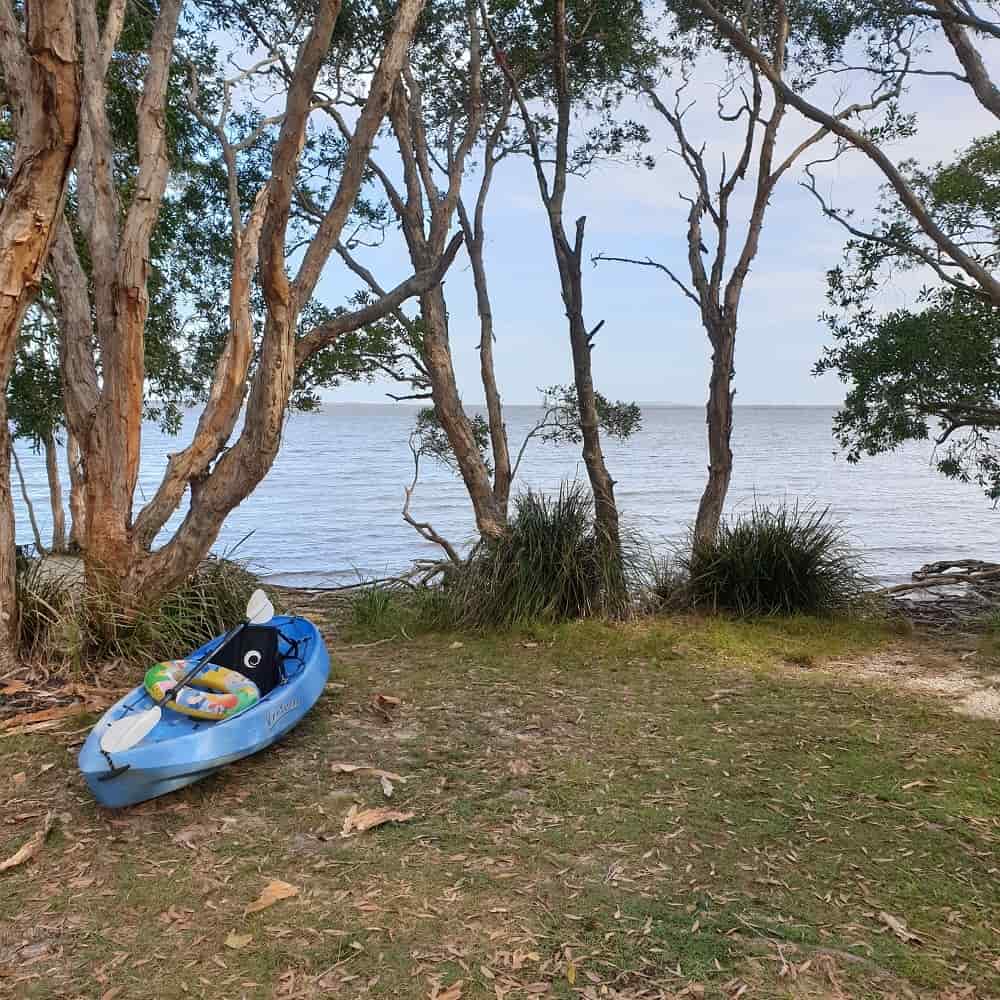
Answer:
(772, 560)
(62, 623)
(636, 809)
(549, 565)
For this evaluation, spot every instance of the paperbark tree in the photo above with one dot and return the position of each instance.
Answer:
(105, 414)
(41, 83)
(606, 39)
(892, 21)
(715, 287)
(434, 145)
(474, 229)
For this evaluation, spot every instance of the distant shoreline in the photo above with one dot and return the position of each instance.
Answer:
(335, 404)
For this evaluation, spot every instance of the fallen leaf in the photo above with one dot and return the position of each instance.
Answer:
(273, 891)
(383, 704)
(570, 973)
(520, 767)
(45, 715)
(339, 768)
(387, 787)
(238, 941)
(358, 821)
(31, 848)
(20, 778)
(899, 928)
(453, 992)
(456, 645)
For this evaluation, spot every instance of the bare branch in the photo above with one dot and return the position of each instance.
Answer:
(424, 528)
(649, 262)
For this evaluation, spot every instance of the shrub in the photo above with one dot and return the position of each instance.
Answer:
(62, 622)
(780, 560)
(548, 566)
(667, 584)
(43, 593)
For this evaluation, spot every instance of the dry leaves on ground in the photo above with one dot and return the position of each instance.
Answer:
(383, 705)
(357, 821)
(339, 768)
(238, 941)
(274, 891)
(31, 848)
(453, 992)
(45, 715)
(899, 928)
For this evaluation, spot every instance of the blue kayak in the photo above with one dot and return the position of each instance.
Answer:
(180, 749)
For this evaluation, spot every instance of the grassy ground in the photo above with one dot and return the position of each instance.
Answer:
(677, 808)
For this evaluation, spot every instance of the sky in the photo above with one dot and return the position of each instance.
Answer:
(652, 347)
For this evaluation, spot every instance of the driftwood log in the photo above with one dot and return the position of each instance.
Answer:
(948, 573)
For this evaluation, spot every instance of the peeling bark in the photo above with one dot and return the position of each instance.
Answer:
(105, 414)
(41, 77)
(719, 419)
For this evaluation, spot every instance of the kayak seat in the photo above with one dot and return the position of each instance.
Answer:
(254, 654)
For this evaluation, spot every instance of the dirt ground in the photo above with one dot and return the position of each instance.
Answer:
(670, 808)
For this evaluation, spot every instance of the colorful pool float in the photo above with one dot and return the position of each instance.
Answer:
(214, 694)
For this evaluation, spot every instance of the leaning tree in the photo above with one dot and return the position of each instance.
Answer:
(930, 370)
(106, 310)
(41, 99)
(893, 39)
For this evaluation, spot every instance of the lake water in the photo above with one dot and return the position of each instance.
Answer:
(329, 512)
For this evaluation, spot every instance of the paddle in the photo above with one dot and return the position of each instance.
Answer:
(130, 730)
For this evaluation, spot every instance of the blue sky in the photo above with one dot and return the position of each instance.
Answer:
(652, 347)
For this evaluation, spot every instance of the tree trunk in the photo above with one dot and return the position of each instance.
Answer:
(719, 418)
(77, 497)
(28, 504)
(41, 80)
(448, 406)
(55, 493)
(8, 552)
(113, 437)
(601, 483)
(502, 474)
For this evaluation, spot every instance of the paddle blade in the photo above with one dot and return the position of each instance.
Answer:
(126, 732)
(259, 609)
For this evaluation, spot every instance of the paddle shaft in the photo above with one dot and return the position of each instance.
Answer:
(192, 673)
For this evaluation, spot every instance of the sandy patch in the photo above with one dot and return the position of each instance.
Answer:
(942, 675)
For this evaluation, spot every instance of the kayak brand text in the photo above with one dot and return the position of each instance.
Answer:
(281, 711)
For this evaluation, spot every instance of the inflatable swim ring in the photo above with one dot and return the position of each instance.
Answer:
(214, 694)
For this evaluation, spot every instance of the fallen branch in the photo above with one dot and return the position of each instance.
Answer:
(942, 580)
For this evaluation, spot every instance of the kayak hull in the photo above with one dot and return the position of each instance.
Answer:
(181, 750)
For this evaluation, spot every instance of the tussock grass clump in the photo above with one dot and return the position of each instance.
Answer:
(65, 623)
(548, 566)
(775, 561)
(43, 594)
(372, 607)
